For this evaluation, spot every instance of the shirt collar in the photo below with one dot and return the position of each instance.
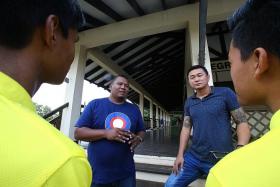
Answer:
(13, 91)
(211, 92)
(275, 120)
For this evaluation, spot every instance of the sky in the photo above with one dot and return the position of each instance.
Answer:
(54, 95)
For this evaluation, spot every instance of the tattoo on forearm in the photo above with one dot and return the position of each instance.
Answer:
(187, 122)
(239, 116)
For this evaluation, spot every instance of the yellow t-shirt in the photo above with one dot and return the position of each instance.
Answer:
(32, 152)
(255, 165)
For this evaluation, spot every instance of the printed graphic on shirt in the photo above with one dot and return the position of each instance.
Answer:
(117, 120)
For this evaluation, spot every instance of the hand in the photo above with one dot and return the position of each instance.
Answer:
(178, 164)
(117, 134)
(134, 141)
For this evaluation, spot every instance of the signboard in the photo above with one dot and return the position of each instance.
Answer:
(220, 66)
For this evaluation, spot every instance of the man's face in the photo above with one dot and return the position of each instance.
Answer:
(198, 79)
(62, 57)
(120, 87)
(242, 76)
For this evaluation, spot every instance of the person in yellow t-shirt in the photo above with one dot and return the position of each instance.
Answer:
(36, 45)
(255, 69)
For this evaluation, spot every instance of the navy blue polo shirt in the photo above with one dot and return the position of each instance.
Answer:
(210, 117)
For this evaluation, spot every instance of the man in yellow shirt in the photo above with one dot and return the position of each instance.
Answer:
(36, 45)
(255, 69)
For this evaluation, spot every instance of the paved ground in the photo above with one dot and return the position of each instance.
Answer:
(160, 142)
(141, 183)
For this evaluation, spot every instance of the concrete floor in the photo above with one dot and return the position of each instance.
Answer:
(141, 183)
(160, 142)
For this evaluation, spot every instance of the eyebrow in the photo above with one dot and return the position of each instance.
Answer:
(196, 74)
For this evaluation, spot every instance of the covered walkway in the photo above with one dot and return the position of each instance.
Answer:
(153, 43)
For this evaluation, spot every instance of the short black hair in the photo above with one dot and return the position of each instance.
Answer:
(197, 67)
(117, 76)
(256, 24)
(20, 18)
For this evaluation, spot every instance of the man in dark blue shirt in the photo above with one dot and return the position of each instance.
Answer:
(114, 128)
(208, 114)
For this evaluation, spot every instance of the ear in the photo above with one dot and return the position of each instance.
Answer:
(261, 62)
(51, 30)
(208, 77)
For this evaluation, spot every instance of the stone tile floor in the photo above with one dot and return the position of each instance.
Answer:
(163, 141)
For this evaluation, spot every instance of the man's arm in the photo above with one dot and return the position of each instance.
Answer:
(141, 134)
(136, 139)
(242, 129)
(185, 135)
(184, 139)
(88, 134)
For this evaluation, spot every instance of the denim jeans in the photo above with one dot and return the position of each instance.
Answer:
(192, 169)
(127, 182)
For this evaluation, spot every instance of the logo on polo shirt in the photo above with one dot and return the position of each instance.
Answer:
(117, 120)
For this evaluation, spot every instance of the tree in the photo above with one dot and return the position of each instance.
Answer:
(42, 109)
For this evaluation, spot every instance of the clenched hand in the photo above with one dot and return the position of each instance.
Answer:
(117, 134)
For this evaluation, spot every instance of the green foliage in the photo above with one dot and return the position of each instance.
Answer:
(146, 113)
(42, 109)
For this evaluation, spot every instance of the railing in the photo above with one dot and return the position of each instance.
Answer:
(54, 117)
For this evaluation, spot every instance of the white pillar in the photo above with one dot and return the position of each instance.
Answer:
(74, 91)
(151, 114)
(168, 119)
(192, 51)
(157, 117)
(165, 118)
(141, 103)
(160, 116)
(163, 115)
(208, 63)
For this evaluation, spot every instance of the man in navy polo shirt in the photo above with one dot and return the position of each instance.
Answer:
(208, 112)
(114, 128)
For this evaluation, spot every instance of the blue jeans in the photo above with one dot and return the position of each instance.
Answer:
(127, 182)
(192, 169)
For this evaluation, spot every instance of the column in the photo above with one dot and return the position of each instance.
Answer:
(160, 117)
(74, 91)
(141, 103)
(157, 116)
(192, 50)
(151, 114)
